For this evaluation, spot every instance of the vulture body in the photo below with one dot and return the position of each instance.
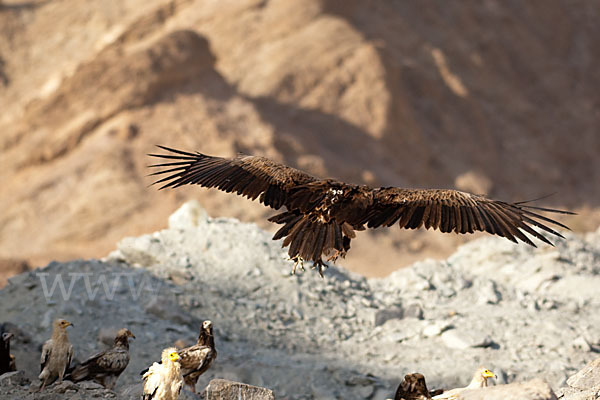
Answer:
(105, 367)
(57, 354)
(163, 381)
(479, 380)
(414, 388)
(322, 215)
(196, 359)
(7, 360)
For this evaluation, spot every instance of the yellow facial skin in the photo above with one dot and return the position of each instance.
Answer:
(174, 356)
(488, 374)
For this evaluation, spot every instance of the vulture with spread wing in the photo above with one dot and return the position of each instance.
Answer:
(322, 215)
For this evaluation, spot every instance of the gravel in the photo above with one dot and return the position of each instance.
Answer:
(522, 312)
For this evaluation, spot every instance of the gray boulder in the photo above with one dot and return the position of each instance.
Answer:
(15, 378)
(588, 378)
(222, 389)
(535, 389)
(584, 385)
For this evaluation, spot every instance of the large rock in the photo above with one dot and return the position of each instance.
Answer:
(536, 389)
(13, 378)
(584, 385)
(587, 378)
(222, 389)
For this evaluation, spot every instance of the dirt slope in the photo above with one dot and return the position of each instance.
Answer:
(496, 97)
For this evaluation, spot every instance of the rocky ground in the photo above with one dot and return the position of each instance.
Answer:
(524, 313)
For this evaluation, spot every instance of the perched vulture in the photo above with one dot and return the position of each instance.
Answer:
(196, 359)
(163, 381)
(479, 380)
(413, 388)
(57, 354)
(7, 360)
(105, 367)
(322, 215)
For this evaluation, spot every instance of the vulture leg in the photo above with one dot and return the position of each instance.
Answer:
(297, 261)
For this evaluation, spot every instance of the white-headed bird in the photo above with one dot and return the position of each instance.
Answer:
(163, 380)
(479, 380)
(57, 354)
(106, 366)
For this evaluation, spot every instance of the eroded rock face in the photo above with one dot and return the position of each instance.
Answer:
(382, 94)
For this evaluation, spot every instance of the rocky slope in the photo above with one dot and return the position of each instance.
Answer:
(496, 97)
(522, 312)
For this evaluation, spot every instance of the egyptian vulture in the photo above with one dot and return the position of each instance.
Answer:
(57, 354)
(479, 380)
(163, 381)
(106, 366)
(322, 215)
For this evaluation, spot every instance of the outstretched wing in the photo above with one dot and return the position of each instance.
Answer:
(249, 176)
(460, 212)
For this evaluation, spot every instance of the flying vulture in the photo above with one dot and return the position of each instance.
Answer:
(7, 360)
(479, 380)
(196, 359)
(57, 354)
(163, 381)
(413, 388)
(322, 215)
(106, 366)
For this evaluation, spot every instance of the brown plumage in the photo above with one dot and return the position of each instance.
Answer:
(106, 366)
(7, 360)
(413, 388)
(57, 354)
(196, 359)
(322, 215)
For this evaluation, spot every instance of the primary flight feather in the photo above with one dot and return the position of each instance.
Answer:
(322, 215)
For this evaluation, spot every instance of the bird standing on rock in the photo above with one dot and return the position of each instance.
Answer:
(163, 381)
(57, 354)
(322, 215)
(479, 380)
(196, 359)
(106, 366)
(7, 360)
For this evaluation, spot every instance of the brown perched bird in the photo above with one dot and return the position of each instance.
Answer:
(479, 380)
(322, 215)
(7, 360)
(196, 359)
(414, 388)
(57, 354)
(163, 381)
(106, 366)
